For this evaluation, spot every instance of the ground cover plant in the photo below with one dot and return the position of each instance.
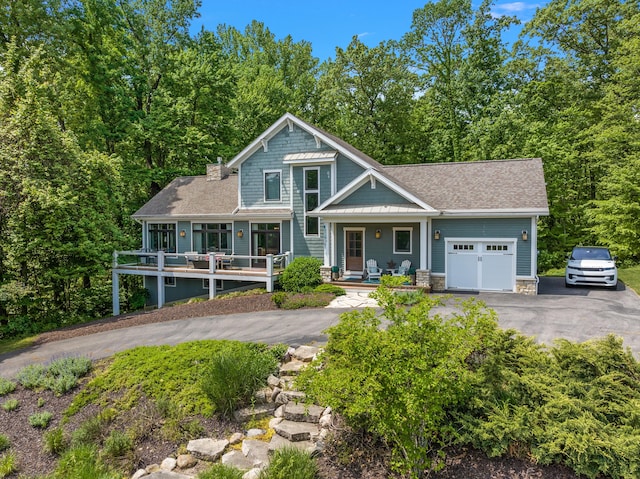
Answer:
(430, 380)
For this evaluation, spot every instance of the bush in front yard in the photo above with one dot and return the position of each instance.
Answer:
(302, 274)
(235, 374)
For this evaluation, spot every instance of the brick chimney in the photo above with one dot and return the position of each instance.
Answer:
(217, 172)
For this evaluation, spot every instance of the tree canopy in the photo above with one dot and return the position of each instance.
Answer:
(103, 102)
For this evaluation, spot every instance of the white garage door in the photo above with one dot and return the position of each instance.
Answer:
(484, 265)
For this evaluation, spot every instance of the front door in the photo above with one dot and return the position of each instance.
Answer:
(354, 250)
(265, 239)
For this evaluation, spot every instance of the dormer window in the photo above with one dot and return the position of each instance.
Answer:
(272, 188)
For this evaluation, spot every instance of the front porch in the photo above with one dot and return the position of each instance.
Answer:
(211, 266)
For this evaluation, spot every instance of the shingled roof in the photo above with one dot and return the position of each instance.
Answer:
(193, 196)
(499, 185)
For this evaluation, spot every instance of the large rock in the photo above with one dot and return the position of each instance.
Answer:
(256, 451)
(238, 460)
(292, 368)
(278, 442)
(186, 461)
(306, 353)
(207, 448)
(259, 411)
(302, 412)
(167, 475)
(297, 431)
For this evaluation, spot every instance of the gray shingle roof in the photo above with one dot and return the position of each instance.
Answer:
(482, 185)
(193, 196)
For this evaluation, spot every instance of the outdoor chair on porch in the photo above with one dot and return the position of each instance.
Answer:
(403, 270)
(373, 271)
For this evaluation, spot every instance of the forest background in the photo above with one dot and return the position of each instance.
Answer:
(103, 102)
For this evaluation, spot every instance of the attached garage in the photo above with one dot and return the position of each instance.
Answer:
(481, 264)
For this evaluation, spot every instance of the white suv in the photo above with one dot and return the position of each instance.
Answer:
(591, 265)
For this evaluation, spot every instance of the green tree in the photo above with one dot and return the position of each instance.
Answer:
(272, 77)
(366, 95)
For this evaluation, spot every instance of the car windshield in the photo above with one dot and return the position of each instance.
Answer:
(590, 253)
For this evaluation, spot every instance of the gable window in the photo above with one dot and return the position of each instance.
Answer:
(272, 185)
(311, 200)
(402, 240)
(212, 237)
(162, 237)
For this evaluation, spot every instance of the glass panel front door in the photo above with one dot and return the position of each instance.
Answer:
(265, 239)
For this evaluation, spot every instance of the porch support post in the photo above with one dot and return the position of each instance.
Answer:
(269, 273)
(424, 245)
(332, 245)
(160, 291)
(212, 287)
(327, 243)
(115, 292)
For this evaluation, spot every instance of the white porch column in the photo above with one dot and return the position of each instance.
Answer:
(212, 288)
(160, 291)
(425, 241)
(327, 244)
(115, 292)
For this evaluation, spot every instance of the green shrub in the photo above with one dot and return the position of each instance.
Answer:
(4, 442)
(220, 471)
(89, 432)
(303, 272)
(234, 376)
(8, 464)
(10, 405)
(408, 298)
(60, 377)
(117, 444)
(279, 298)
(154, 372)
(306, 300)
(40, 419)
(575, 404)
(6, 386)
(83, 462)
(32, 376)
(55, 441)
(290, 463)
(400, 382)
(330, 288)
(75, 366)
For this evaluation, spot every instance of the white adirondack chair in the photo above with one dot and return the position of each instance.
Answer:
(403, 270)
(373, 271)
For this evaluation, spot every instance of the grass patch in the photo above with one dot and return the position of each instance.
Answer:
(631, 277)
(4, 442)
(6, 386)
(220, 471)
(290, 463)
(10, 405)
(12, 344)
(240, 294)
(60, 377)
(8, 464)
(40, 419)
(284, 300)
(158, 372)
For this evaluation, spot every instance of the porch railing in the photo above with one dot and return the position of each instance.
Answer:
(160, 260)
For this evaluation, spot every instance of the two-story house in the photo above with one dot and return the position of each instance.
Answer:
(300, 191)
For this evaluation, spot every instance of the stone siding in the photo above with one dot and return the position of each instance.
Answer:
(438, 283)
(423, 278)
(527, 286)
(325, 274)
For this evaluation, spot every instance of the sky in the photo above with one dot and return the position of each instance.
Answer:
(333, 23)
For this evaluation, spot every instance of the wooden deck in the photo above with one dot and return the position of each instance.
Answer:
(243, 268)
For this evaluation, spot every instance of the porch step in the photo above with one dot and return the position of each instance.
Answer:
(352, 275)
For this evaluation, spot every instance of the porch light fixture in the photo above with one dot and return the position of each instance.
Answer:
(436, 235)
(240, 233)
(183, 233)
(378, 233)
(525, 235)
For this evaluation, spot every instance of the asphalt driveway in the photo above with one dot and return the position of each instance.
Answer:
(577, 314)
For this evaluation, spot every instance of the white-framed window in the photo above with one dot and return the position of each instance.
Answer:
(170, 281)
(311, 200)
(162, 237)
(402, 240)
(212, 237)
(272, 185)
(205, 284)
